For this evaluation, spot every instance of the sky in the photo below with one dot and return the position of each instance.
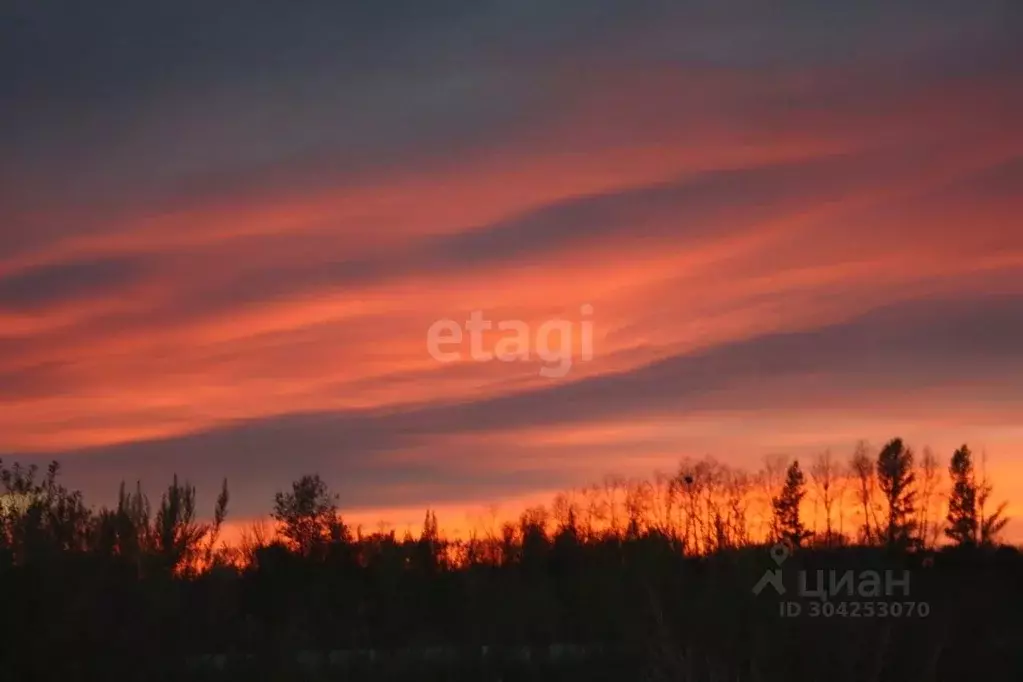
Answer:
(226, 229)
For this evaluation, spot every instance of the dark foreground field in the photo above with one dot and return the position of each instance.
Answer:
(628, 609)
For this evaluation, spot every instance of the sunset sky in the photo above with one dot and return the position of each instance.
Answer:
(224, 234)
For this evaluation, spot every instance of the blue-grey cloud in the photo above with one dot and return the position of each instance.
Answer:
(125, 104)
(74, 280)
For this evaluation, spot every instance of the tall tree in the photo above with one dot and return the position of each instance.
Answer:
(825, 476)
(895, 478)
(962, 499)
(930, 526)
(125, 531)
(430, 547)
(307, 515)
(787, 524)
(177, 535)
(219, 514)
(990, 525)
(861, 468)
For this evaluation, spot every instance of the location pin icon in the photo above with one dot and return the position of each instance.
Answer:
(780, 552)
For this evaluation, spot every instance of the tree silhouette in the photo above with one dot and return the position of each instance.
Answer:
(219, 514)
(430, 547)
(307, 515)
(862, 469)
(962, 501)
(787, 523)
(895, 478)
(825, 476)
(177, 534)
(39, 518)
(991, 525)
(930, 526)
(125, 530)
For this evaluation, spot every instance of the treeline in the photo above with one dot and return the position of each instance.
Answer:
(891, 498)
(655, 575)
